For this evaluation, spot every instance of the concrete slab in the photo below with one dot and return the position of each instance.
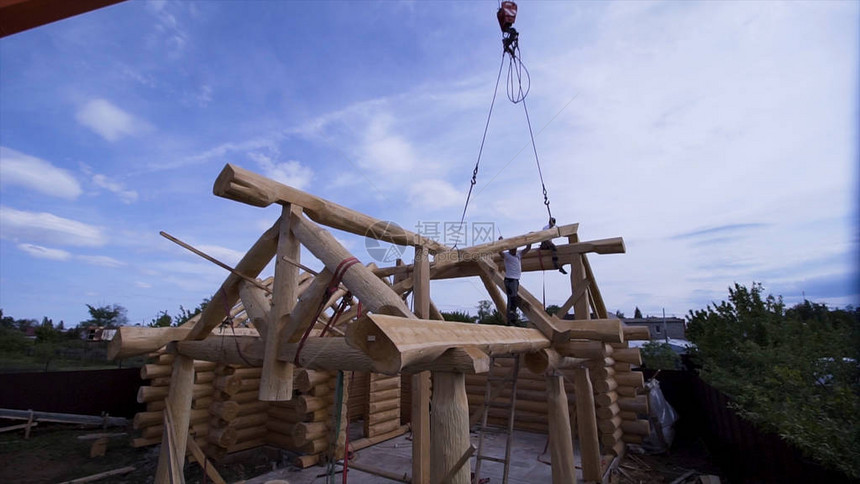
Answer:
(395, 456)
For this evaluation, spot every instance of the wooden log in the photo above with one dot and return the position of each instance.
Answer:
(605, 399)
(625, 415)
(276, 380)
(281, 427)
(385, 415)
(251, 420)
(385, 405)
(250, 373)
(605, 386)
(314, 446)
(222, 436)
(579, 284)
(587, 423)
(148, 419)
(623, 366)
(249, 433)
(638, 404)
(150, 371)
(495, 294)
(636, 333)
(225, 410)
(374, 294)
(291, 416)
(241, 350)
(637, 427)
(608, 412)
(607, 330)
(178, 412)
(228, 384)
(204, 377)
(257, 305)
(307, 431)
(618, 448)
(560, 437)
(254, 261)
(420, 411)
(281, 440)
(630, 379)
(305, 461)
(548, 360)
(449, 422)
(306, 379)
(610, 439)
(160, 382)
(247, 396)
(394, 342)
(628, 355)
(489, 249)
(609, 425)
(241, 185)
(387, 384)
(248, 444)
(249, 385)
(626, 391)
(383, 427)
(584, 349)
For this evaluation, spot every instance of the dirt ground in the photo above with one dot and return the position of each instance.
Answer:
(54, 454)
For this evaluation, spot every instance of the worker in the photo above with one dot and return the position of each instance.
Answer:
(513, 268)
(548, 245)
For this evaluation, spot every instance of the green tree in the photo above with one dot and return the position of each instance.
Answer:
(552, 309)
(184, 314)
(162, 320)
(792, 371)
(459, 316)
(45, 332)
(659, 356)
(107, 316)
(487, 314)
(619, 314)
(637, 313)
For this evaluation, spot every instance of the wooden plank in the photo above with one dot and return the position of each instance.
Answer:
(460, 463)
(201, 459)
(101, 475)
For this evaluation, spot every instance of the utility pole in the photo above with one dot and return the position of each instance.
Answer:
(665, 329)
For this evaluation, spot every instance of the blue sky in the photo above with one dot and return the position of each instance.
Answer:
(719, 139)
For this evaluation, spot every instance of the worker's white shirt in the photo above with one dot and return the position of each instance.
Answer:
(513, 264)
(547, 226)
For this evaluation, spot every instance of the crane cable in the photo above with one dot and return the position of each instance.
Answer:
(517, 72)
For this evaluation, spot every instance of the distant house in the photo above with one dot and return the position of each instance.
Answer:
(673, 328)
(97, 333)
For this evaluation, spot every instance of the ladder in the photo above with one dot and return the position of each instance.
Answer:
(489, 403)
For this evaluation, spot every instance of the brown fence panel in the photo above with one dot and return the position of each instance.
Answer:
(86, 392)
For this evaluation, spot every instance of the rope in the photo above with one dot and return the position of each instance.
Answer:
(229, 320)
(339, 272)
(481, 149)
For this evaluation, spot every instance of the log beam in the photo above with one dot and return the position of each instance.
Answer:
(244, 186)
(178, 403)
(449, 422)
(394, 343)
(421, 381)
(560, 436)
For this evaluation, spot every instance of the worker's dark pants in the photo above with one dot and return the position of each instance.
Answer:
(547, 245)
(512, 289)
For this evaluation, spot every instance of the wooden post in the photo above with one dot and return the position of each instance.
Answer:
(560, 438)
(589, 446)
(449, 422)
(421, 381)
(579, 286)
(276, 381)
(179, 402)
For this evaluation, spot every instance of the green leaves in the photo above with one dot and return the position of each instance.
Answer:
(794, 371)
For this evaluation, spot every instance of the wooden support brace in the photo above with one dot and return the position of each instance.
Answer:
(586, 419)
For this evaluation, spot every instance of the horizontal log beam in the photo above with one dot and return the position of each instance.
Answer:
(244, 186)
(494, 248)
(133, 340)
(396, 343)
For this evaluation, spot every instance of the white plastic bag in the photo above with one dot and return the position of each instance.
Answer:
(662, 417)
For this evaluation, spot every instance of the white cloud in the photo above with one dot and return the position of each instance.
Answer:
(48, 228)
(143, 285)
(109, 121)
(44, 253)
(16, 168)
(228, 256)
(100, 260)
(127, 196)
(290, 172)
(435, 194)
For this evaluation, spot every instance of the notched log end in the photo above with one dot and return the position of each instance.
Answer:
(236, 184)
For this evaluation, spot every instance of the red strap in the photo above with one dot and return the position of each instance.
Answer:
(339, 272)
